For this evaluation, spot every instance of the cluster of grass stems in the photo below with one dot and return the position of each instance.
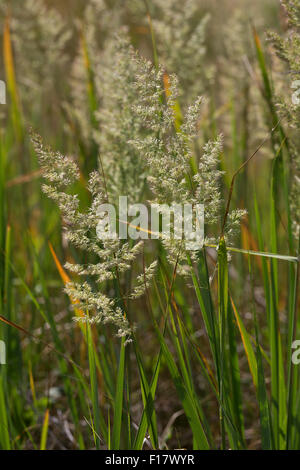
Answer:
(103, 382)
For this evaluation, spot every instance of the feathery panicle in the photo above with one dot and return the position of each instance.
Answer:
(119, 124)
(112, 256)
(180, 29)
(40, 35)
(287, 49)
(168, 154)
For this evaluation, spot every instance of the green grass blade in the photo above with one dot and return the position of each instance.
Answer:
(183, 394)
(94, 387)
(43, 444)
(148, 419)
(4, 432)
(247, 344)
(236, 399)
(118, 401)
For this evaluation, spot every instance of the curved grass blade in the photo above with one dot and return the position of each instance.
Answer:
(44, 435)
(118, 401)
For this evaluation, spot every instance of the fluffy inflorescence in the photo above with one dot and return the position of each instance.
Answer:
(241, 88)
(119, 124)
(112, 256)
(180, 30)
(141, 142)
(180, 40)
(168, 151)
(287, 49)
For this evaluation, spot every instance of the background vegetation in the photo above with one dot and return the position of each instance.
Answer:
(210, 364)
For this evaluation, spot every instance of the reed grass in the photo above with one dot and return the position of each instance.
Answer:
(210, 363)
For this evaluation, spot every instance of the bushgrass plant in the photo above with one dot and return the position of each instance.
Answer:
(169, 348)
